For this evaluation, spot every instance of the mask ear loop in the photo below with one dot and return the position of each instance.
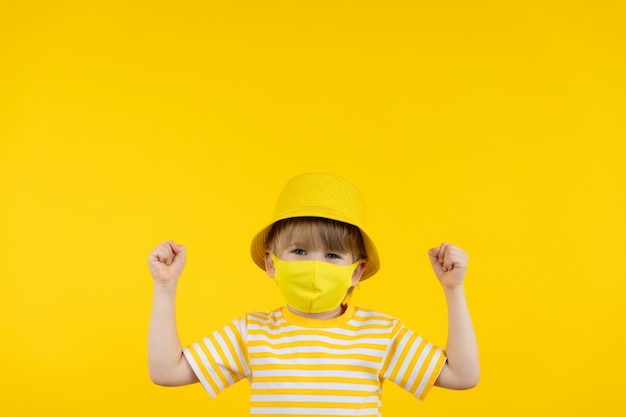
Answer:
(348, 298)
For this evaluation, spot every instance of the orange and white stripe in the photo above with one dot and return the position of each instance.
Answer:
(304, 367)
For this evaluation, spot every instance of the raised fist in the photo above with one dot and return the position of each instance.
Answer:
(166, 262)
(449, 263)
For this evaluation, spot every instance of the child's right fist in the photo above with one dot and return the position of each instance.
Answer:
(166, 262)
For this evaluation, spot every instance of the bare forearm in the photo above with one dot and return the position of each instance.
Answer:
(164, 347)
(166, 363)
(461, 348)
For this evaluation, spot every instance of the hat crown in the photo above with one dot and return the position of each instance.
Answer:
(321, 195)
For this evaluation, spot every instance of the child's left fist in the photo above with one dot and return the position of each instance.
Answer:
(449, 263)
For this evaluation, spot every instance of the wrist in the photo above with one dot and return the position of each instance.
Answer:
(165, 287)
(456, 290)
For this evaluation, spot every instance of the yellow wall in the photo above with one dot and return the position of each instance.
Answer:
(498, 126)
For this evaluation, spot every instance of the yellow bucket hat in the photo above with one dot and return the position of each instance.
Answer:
(320, 194)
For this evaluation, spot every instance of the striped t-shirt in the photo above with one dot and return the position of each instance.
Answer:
(306, 367)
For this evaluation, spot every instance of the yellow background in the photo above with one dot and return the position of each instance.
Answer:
(497, 126)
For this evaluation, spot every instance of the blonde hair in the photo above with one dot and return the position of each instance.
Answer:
(334, 235)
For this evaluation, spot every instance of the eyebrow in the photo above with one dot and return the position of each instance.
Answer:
(297, 244)
(308, 246)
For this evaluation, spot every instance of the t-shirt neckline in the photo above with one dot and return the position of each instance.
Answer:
(293, 318)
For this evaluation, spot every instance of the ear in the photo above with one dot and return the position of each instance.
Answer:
(269, 265)
(358, 272)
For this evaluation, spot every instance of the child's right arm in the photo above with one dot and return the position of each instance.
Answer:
(166, 362)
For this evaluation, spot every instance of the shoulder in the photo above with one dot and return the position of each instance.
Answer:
(368, 316)
(272, 317)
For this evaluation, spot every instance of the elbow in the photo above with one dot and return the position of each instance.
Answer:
(466, 376)
(163, 382)
(172, 377)
(458, 381)
(470, 381)
(472, 384)
(159, 378)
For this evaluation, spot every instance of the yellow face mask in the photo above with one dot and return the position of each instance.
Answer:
(313, 286)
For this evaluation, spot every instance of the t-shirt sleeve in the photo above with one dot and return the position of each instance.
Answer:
(220, 359)
(412, 362)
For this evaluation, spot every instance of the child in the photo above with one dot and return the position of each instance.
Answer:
(318, 355)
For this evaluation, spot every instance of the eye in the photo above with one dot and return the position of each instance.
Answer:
(300, 252)
(333, 256)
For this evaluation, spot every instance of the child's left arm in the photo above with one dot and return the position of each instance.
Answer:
(461, 370)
